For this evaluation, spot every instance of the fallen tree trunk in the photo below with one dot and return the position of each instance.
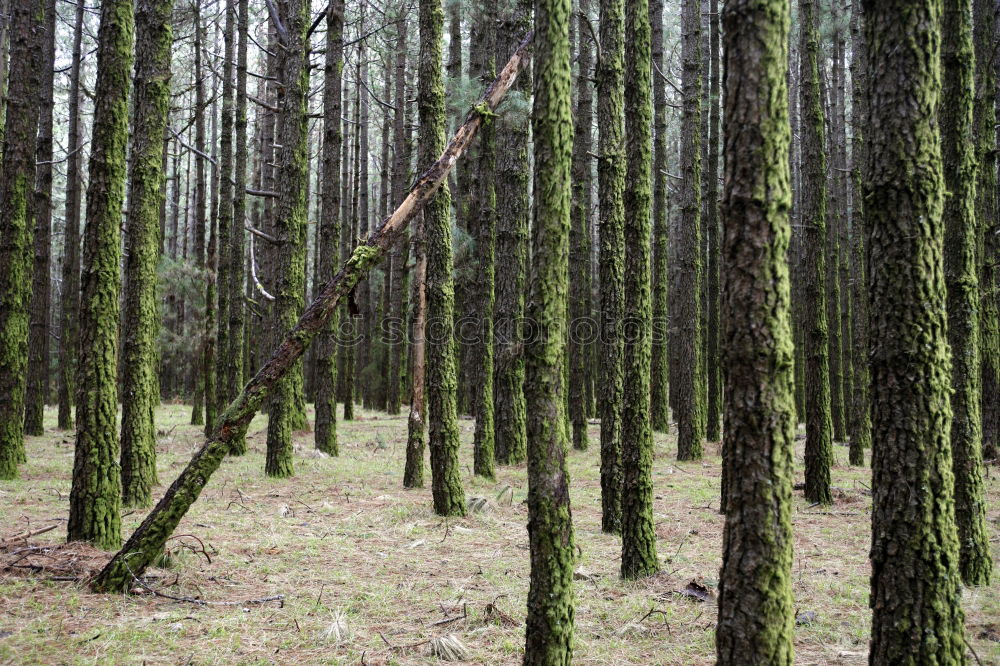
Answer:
(146, 543)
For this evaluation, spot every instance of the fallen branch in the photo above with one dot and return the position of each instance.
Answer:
(146, 543)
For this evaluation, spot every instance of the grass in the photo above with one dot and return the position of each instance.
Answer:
(370, 575)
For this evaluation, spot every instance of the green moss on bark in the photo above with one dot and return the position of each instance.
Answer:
(140, 320)
(962, 282)
(95, 497)
(290, 226)
(549, 624)
(16, 190)
(442, 379)
(611, 253)
(819, 421)
(756, 609)
(689, 336)
(638, 533)
(915, 584)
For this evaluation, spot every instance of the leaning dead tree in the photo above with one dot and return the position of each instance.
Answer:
(146, 543)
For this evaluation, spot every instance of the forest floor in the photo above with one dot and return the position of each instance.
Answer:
(371, 576)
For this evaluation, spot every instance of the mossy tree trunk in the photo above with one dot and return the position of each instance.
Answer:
(199, 368)
(860, 421)
(513, 211)
(989, 226)
(819, 422)
(290, 220)
(611, 253)
(329, 232)
(17, 179)
(579, 252)
(549, 624)
(962, 282)
(141, 318)
(638, 533)
(95, 497)
(756, 610)
(70, 269)
(659, 412)
(146, 543)
(483, 442)
(691, 389)
(441, 371)
(226, 222)
(234, 377)
(37, 391)
(915, 580)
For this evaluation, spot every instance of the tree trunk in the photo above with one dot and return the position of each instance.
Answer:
(915, 592)
(146, 543)
(17, 178)
(326, 356)
(37, 392)
(691, 385)
(442, 379)
(95, 497)
(989, 232)
(579, 253)
(289, 221)
(860, 422)
(400, 178)
(483, 443)
(962, 282)
(514, 210)
(549, 624)
(611, 190)
(638, 530)
(659, 370)
(140, 319)
(713, 406)
(756, 610)
(70, 288)
(819, 422)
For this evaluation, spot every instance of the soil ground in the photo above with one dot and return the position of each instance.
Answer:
(371, 576)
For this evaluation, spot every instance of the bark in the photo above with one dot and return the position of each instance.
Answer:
(400, 178)
(659, 360)
(70, 269)
(962, 282)
(549, 623)
(989, 227)
(819, 422)
(713, 369)
(330, 230)
(227, 225)
(140, 317)
(638, 529)
(756, 609)
(37, 391)
(146, 543)
(510, 443)
(915, 580)
(611, 189)
(483, 443)
(689, 335)
(17, 178)
(860, 421)
(442, 379)
(290, 221)
(95, 497)
(579, 255)
(199, 366)
(237, 258)
(413, 474)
